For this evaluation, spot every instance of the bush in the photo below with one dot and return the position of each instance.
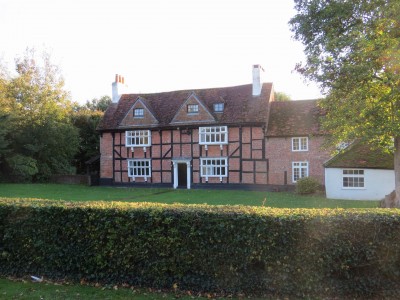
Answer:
(331, 253)
(307, 185)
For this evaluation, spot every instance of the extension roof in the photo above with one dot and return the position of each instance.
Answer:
(240, 107)
(361, 155)
(294, 118)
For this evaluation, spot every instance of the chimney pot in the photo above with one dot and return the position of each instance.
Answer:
(118, 88)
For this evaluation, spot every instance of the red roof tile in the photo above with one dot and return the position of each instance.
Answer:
(294, 118)
(240, 106)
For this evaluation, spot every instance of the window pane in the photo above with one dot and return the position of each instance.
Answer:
(138, 112)
(213, 135)
(192, 108)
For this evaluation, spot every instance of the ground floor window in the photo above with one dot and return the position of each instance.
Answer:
(299, 170)
(353, 179)
(139, 168)
(214, 167)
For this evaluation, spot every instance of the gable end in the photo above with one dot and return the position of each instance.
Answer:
(193, 110)
(147, 118)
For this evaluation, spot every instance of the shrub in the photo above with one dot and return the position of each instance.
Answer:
(307, 185)
(331, 253)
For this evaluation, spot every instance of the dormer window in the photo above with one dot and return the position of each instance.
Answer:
(193, 108)
(218, 107)
(138, 113)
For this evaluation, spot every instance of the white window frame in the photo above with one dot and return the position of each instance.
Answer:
(299, 144)
(219, 107)
(137, 138)
(214, 135)
(297, 168)
(211, 166)
(136, 113)
(138, 167)
(191, 110)
(354, 176)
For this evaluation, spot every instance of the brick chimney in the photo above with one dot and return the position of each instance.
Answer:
(257, 79)
(118, 88)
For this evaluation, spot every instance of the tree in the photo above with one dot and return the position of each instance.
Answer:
(42, 135)
(86, 118)
(99, 104)
(89, 140)
(280, 96)
(5, 118)
(353, 52)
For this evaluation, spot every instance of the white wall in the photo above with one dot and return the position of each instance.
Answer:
(378, 183)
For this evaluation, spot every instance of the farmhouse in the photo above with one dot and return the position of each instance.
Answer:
(216, 137)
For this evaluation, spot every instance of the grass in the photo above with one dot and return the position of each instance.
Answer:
(27, 290)
(169, 196)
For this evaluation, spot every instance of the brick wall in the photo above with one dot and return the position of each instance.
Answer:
(280, 155)
(106, 155)
(245, 152)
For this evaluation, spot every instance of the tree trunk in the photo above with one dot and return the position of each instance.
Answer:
(397, 171)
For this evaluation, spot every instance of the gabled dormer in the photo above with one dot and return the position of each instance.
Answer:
(193, 110)
(140, 114)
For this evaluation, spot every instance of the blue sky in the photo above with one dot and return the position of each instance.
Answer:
(157, 45)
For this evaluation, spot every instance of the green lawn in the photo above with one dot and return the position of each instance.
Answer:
(212, 197)
(27, 290)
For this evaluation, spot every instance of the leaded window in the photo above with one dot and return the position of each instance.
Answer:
(138, 138)
(213, 135)
(214, 167)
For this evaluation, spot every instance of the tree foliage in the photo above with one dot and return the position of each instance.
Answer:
(353, 52)
(281, 96)
(86, 121)
(43, 140)
(100, 104)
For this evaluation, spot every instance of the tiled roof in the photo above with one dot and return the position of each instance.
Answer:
(359, 155)
(240, 106)
(294, 118)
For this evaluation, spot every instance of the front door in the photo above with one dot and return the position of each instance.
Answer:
(182, 175)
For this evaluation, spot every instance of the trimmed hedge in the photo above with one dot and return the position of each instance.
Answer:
(307, 185)
(252, 250)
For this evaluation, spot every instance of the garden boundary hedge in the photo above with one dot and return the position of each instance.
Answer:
(223, 249)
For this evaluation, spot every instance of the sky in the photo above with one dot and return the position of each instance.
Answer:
(157, 45)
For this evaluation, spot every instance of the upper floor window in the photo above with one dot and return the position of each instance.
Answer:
(299, 170)
(353, 178)
(300, 144)
(192, 108)
(138, 138)
(138, 113)
(219, 107)
(213, 135)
